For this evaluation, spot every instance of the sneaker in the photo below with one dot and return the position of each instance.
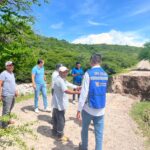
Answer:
(47, 109)
(63, 139)
(73, 102)
(36, 110)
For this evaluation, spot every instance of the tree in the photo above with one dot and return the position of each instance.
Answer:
(15, 36)
(145, 53)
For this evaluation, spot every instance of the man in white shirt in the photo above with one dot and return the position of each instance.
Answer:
(92, 102)
(60, 102)
(55, 74)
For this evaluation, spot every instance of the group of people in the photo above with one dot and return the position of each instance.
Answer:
(90, 87)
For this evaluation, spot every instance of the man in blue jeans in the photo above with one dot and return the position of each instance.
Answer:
(77, 73)
(39, 85)
(92, 102)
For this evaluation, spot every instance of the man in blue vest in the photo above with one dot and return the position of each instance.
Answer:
(92, 102)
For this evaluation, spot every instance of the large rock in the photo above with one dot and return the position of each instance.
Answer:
(136, 83)
(25, 89)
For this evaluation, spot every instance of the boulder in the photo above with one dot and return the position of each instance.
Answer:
(25, 89)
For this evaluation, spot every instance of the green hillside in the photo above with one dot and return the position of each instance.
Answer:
(53, 51)
(19, 43)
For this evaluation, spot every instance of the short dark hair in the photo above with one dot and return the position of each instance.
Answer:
(77, 63)
(39, 61)
(96, 58)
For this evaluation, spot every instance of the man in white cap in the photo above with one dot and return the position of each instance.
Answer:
(60, 102)
(8, 91)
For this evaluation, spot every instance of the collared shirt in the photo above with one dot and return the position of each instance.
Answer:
(84, 98)
(9, 84)
(60, 98)
(39, 74)
(78, 78)
(55, 74)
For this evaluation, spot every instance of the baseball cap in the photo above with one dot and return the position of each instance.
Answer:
(9, 63)
(63, 69)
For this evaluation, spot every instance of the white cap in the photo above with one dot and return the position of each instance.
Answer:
(63, 69)
(9, 63)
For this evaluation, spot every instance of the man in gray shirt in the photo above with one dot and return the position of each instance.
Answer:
(7, 91)
(60, 102)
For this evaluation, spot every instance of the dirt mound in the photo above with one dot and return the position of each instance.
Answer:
(136, 83)
(143, 65)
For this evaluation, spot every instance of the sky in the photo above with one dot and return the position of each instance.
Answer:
(124, 22)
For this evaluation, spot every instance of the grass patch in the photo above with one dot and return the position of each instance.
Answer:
(14, 135)
(141, 114)
(6, 118)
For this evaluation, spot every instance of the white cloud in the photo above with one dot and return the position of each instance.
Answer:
(57, 25)
(112, 37)
(94, 23)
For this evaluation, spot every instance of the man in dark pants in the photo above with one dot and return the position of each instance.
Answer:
(55, 74)
(60, 102)
(77, 74)
(7, 91)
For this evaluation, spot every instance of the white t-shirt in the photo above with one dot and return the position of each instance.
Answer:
(55, 74)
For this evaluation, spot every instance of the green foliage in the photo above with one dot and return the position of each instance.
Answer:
(53, 51)
(145, 53)
(14, 135)
(15, 37)
(20, 44)
(141, 113)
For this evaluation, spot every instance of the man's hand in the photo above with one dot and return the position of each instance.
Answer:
(16, 94)
(78, 116)
(79, 88)
(77, 92)
(74, 75)
(34, 86)
(45, 78)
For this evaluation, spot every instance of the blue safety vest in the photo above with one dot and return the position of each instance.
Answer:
(97, 88)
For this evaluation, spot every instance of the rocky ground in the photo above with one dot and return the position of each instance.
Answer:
(135, 83)
(121, 132)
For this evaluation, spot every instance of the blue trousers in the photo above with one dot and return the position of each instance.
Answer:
(98, 128)
(40, 88)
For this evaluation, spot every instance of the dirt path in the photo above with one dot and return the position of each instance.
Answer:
(120, 129)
